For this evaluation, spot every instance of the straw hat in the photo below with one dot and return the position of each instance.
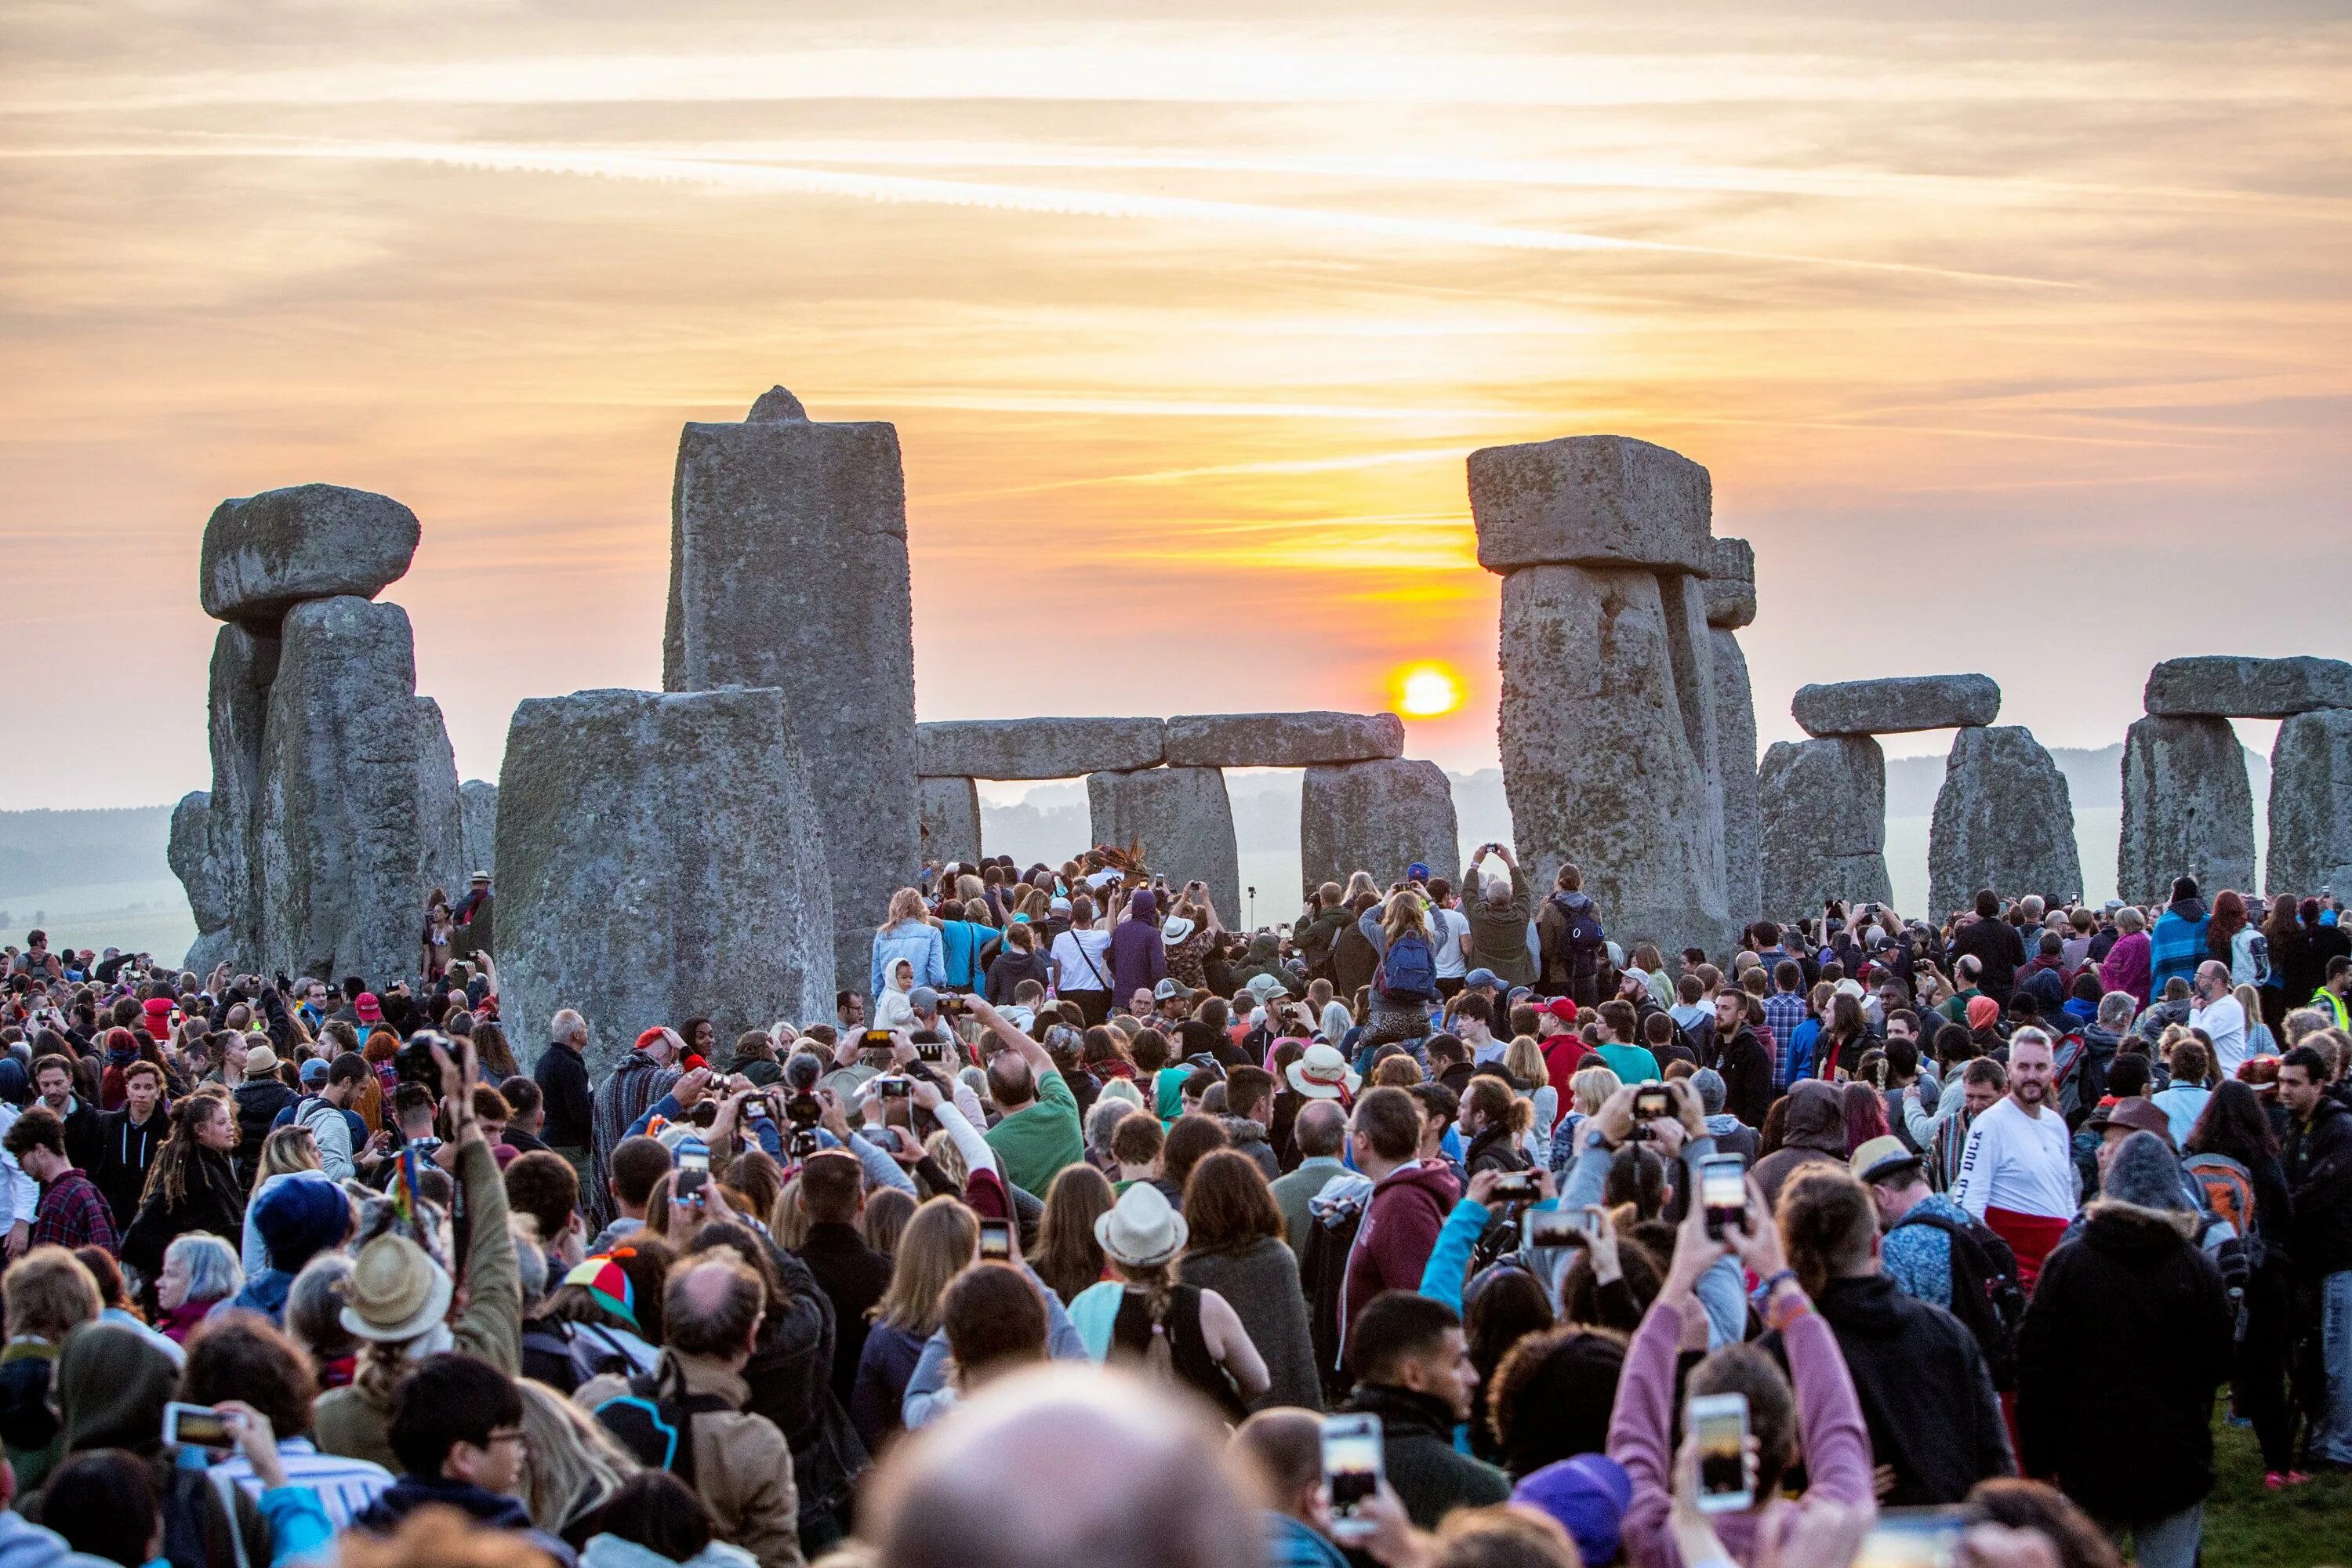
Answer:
(397, 1291)
(1321, 1073)
(260, 1062)
(1142, 1229)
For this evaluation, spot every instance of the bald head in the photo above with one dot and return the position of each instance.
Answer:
(1284, 1448)
(1066, 1464)
(711, 1306)
(1319, 1130)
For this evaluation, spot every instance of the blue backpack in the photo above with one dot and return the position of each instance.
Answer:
(1407, 971)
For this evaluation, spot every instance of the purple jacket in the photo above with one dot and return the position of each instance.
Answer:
(1836, 1447)
(1139, 960)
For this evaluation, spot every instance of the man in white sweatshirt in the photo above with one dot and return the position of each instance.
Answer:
(2017, 1171)
(2220, 1014)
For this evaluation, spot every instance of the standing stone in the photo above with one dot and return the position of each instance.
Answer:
(222, 874)
(2188, 809)
(660, 856)
(788, 569)
(441, 816)
(264, 554)
(187, 854)
(348, 837)
(1607, 719)
(1730, 595)
(1378, 816)
(478, 806)
(951, 820)
(2005, 820)
(2311, 805)
(1282, 739)
(1184, 821)
(1824, 810)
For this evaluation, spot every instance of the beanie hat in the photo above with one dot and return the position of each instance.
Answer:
(1587, 1495)
(1983, 1011)
(650, 1037)
(605, 1280)
(2144, 1175)
(158, 1010)
(1711, 1090)
(300, 1215)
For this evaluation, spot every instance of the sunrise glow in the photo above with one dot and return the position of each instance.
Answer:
(1427, 691)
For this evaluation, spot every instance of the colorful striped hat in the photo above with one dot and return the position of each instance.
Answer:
(608, 1284)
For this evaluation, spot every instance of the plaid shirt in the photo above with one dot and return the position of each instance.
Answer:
(1783, 1011)
(74, 1213)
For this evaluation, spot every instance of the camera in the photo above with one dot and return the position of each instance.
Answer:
(413, 1062)
(803, 1111)
(802, 1143)
(894, 1088)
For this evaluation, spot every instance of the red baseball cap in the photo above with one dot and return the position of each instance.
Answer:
(367, 1007)
(1562, 1009)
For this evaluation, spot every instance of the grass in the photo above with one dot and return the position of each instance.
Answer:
(2247, 1527)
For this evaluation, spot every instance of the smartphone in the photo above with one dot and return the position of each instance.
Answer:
(894, 1088)
(1653, 1103)
(1514, 1187)
(1353, 1463)
(1550, 1228)
(1723, 1189)
(931, 1050)
(1719, 1422)
(996, 1240)
(693, 1170)
(875, 1040)
(196, 1426)
(1913, 1538)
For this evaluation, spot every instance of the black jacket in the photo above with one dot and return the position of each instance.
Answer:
(258, 1101)
(211, 1202)
(1431, 1477)
(853, 1277)
(2127, 1336)
(1495, 1149)
(2318, 1163)
(1925, 1393)
(790, 1377)
(125, 1152)
(82, 1133)
(1747, 1070)
(562, 1079)
(1995, 945)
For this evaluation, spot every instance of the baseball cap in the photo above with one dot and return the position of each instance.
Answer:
(1417, 872)
(315, 1070)
(1562, 1009)
(1170, 989)
(1058, 907)
(1881, 1157)
(369, 1009)
(1478, 977)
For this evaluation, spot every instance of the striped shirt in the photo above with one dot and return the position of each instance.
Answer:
(345, 1486)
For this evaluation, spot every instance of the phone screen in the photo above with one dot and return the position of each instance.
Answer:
(1514, 1185)
(196, 1426)
(1720, 1422)
(1652, 1104)
(1912, 1538)
(1723, 1189)
(877, 1040)
(996, 1239)
(1353, 1462)
(1551, 1227)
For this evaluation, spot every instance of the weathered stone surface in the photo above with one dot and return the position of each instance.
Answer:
(1379, 817)
(1824, 825)
(1591, 501)
(188, 855)
(2223, 686)
(217, 857)
(441, 811)
(1730, 586)
(951, 820)
(2005, 820)
(660, 856)
(477, 811)
(1896, 704)
(2188, 809)
(1608, 731)
(1183, 818)
(2311, 805)
(1036, 748)
(347, 840)
(1282, 739)
(264, 554)
(1735, 745)
(788, 569)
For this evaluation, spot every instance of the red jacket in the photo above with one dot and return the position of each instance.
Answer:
(1399, 1229)
(1563, 1054)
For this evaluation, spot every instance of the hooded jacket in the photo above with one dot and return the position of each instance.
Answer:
(1264, 958)
(1139, 958)
(258, 1101)
(1815, 1136)
(2126, 1337)
(917, 941)
(1498, 934)
(1431, 1477)
(2318, 1165)
(495, 1511)
(126, 1149)
(212, 1201)
(1399, 1228)
(1925, 1393)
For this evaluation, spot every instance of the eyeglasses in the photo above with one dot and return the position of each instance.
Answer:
(510, 1434)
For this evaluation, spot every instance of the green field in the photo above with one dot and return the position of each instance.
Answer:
(2247, 1527)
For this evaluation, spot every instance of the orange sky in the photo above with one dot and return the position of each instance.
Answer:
(2016, 345)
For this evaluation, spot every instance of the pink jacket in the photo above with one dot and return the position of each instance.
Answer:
(1836, 1447)
(2126, 967)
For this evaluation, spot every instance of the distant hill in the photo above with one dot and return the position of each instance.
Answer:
(44, 850)
(2094, 778)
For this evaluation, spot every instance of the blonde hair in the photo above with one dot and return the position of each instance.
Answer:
(574, 1464)
(942, 1148)
(1591, 1086)
(787, 1223)
(906, 904)
(48, 1294)
(286, 1150)
(941, 1238)
(2250, 1000)
(1403, 917)
(1523, 1058)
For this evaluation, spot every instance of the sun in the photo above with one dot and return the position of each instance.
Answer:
(1426, 690)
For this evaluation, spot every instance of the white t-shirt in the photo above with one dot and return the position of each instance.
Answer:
(1450, 927)
(1084, 958)
(2019, 1163)
(2224, 1023)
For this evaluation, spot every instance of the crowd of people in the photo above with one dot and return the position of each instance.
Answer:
(1439, 1228)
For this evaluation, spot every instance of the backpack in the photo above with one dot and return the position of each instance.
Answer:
(2066, 1072)
(655, 1420)
(2226, 1188)
(1325, 1278)
(1986, 1295)
(565, 1355)
(1408, 971)
(1583, 949)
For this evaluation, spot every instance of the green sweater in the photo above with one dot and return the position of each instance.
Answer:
(1033, 1143)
